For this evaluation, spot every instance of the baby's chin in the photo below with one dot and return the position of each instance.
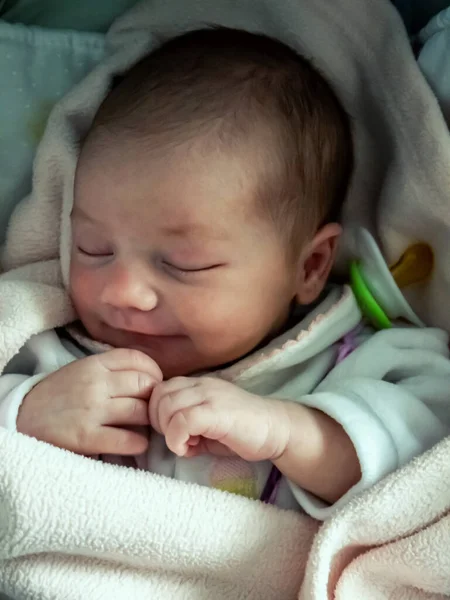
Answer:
(176, 355)
(182, 361)
(173, 365)
(173, 357)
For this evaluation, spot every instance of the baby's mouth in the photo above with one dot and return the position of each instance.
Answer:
(137, 338)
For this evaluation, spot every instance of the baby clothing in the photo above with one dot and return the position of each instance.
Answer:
(390, 392)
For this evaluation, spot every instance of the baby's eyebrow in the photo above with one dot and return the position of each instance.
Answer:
(184, 230)
(79, 213)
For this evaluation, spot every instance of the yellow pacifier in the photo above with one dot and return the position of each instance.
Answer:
(377, 288)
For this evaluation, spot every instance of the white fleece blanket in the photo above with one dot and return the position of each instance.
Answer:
(74, 528)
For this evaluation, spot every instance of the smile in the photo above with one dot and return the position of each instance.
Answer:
(142, 339)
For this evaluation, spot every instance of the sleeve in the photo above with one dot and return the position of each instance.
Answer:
(42, 355)
(392, 398)
(13, 389)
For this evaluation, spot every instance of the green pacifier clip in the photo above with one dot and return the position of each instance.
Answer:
(366, 300)
(377, 288)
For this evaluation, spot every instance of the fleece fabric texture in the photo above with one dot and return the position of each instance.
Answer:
(74, 528)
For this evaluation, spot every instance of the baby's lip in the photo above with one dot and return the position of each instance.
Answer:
(141, 336)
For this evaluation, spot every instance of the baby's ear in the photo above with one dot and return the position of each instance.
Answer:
(316, 263)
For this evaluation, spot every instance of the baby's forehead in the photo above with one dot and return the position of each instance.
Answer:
(180, 229)
(184, 219)
(186, 191)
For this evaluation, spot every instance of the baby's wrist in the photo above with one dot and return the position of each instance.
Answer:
(280, 427)
(297, 443)
(26, 414)
(22, 421)
(318, 447)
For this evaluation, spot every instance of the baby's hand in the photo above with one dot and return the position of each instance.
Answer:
(208, 415)
(87, 405)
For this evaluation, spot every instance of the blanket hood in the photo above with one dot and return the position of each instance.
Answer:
(401, 186)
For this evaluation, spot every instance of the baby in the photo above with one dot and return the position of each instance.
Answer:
(204, 229)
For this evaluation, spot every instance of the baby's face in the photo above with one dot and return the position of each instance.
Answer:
(171, 257)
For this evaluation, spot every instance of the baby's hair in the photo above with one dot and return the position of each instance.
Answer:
(228, 85)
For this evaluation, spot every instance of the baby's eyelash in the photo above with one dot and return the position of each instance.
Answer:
(188, 271)
(93, 254)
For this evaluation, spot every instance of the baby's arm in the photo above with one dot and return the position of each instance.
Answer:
(319, 457)
(88, 406)
(209, 415)
(43, 354)
(386, 403)
(390, 400)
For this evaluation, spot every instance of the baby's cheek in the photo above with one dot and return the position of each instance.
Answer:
(224, 326)
(84, 287)
(209, 314)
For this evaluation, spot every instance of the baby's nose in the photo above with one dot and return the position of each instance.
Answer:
(129, 288)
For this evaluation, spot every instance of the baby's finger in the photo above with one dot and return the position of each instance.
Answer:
(178, 383)
(126, 411)
(177, 435)
(125, 359)
(135, 384)
(206, 446)
(112, 440)
(160, 391)
(216, 448)
(192, 422)
(193, 451)
(165, 401)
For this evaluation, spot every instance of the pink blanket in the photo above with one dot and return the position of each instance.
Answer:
(73, 528)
